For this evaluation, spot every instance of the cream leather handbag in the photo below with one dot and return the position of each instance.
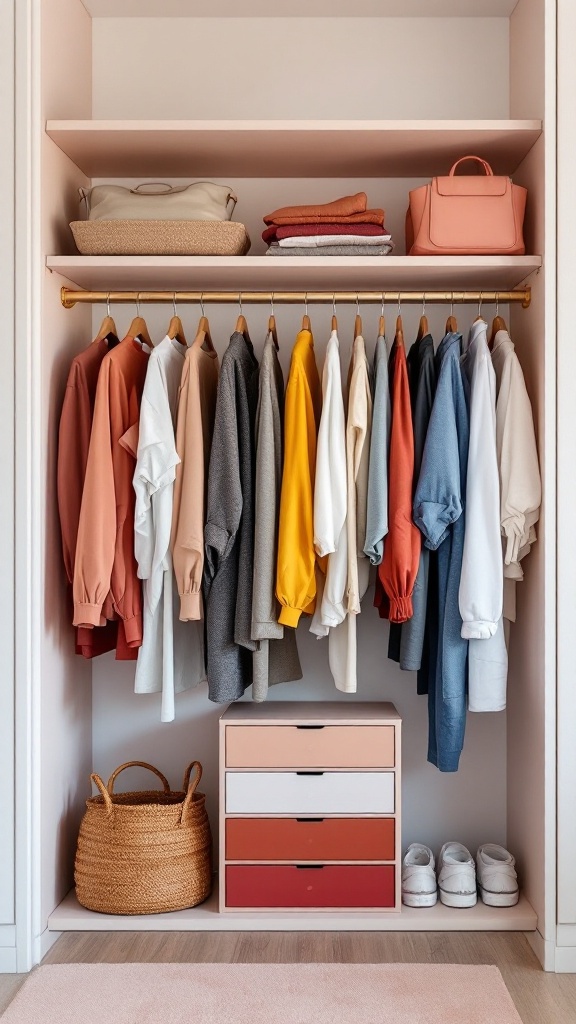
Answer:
(201, 201)
(466, 215)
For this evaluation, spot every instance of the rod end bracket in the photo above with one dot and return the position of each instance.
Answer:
(65, 298)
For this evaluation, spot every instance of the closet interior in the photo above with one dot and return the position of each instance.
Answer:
(291, 108)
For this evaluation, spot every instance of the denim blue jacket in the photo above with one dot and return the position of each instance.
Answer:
(439, 513)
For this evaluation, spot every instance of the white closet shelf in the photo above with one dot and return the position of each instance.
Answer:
(281, 273)
(286, 149)
(69, 916)
(299, 8)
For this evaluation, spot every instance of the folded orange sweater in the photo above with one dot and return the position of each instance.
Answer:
(366, 217)
(339, 208)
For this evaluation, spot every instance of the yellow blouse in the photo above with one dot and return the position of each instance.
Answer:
(296, 581)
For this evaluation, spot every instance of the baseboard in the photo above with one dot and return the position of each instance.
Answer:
(7, 959)
(42, 943)
(565, 959)
(544, 950)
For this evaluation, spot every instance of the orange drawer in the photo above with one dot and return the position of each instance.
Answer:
(304, 839)
(296, 746)
(286, 885)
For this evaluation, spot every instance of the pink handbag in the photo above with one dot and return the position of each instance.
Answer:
(467, 215)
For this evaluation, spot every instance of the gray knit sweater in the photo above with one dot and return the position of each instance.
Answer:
(229, 530)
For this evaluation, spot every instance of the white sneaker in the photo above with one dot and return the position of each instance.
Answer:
(419, 877)
(497, 878)
(456, 876)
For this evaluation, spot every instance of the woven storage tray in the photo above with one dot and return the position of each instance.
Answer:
(160, 237)
(144, 853)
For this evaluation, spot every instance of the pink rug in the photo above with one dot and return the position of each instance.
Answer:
(262, 994)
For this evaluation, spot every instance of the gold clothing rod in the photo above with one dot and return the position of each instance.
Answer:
(70, 297)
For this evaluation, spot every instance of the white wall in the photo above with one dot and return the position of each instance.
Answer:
(65, 698)
(300, 67)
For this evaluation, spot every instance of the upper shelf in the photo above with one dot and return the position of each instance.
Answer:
(259, 273)
(299, 8)
(289, 149)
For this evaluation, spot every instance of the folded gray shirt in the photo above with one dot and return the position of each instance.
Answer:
(331, 250)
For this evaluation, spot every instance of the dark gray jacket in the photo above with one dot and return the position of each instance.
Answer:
(229, 530)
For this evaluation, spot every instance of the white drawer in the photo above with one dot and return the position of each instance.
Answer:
(310, 793)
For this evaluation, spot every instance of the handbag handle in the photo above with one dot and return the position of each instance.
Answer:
(171, 189)
(478, 160)
(190, 788)
(107, 791)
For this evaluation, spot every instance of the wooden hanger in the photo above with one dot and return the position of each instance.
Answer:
(452, 323)
(203, 337)
(382, 321)
(241, 325)
(498, 324)
(357, 321)
(273, 330)
(399, 326)
(108, 330)
(306, 325)
(175, 328)
(138, 328)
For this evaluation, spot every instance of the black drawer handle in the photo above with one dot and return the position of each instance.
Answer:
(309, 867)
(310, 819)
(310, 727)
(309, 773)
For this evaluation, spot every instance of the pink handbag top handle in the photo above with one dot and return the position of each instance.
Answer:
(478, 159)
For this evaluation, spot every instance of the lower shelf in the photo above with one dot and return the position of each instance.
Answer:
(69, 916)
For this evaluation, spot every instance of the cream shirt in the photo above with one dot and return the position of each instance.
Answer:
(342, 640)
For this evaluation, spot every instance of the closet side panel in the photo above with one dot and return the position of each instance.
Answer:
(300, 67)
(65, 723)
(7, 284)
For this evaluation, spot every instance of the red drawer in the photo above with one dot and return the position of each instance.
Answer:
(285, 885)
(302, 839)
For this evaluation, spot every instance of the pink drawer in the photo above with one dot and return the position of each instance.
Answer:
(261, 886)
(296, 746)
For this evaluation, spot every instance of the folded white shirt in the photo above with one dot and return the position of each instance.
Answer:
(312, 241)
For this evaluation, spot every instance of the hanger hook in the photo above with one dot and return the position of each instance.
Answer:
(272, 304)
(383, 298)
(202, 302)
(452, 305)
(423, 303)
(480, 305)
(334, 304)
(399, 305)
(357, 305)
(240, 303)
(174, 302)
(137, 303)
(497, 302)
(306, 303)
(108, 304)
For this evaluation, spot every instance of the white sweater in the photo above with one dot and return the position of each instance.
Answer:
(330, 495)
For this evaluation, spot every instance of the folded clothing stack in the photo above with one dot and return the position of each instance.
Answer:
(342, 228)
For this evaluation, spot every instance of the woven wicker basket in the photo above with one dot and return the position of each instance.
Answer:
(160, 237)
(147, 852)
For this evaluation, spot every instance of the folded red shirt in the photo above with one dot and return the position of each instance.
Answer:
(275, 232)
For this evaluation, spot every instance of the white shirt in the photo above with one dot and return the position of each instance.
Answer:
(330, 499)
(342, 653)
(171, 658)
(481, 581)
(521, 490)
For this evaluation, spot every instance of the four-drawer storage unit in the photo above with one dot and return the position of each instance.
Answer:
(310, 807)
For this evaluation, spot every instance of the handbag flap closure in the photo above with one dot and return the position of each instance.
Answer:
(472, 185)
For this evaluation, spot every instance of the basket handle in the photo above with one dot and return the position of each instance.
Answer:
(190, 788)
(107, 791)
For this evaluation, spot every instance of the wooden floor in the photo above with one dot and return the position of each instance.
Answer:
(540, 998)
